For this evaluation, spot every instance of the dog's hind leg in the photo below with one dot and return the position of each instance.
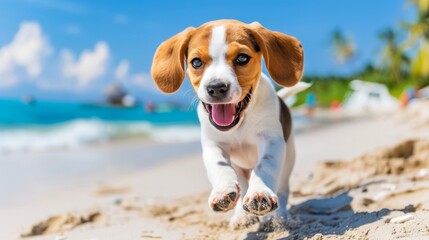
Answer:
(261, 197)
(241, 219)
(283, 185)
(279, 219)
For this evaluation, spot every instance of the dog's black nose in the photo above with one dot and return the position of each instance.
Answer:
(217, 90)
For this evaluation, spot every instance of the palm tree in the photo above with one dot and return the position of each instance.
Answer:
(394, 60)
(418, 39)
(420, 64)
(344, 48)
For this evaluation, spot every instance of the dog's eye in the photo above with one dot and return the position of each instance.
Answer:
(242, 59)
(196, 63)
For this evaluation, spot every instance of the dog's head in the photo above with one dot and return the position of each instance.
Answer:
(224, 63)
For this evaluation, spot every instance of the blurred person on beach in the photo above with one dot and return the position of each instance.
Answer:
(335, 105)
(310, 104)
(407, 96)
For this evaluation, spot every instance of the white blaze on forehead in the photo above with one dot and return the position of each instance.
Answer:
(219, 70)
(218, 45)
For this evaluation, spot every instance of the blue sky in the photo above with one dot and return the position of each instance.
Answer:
(69, 50)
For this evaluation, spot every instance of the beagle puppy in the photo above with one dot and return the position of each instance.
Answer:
(246, 129)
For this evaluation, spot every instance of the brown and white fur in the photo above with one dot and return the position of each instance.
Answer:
(249, 161)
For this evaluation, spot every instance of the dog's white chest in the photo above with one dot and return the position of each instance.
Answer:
(244, 155)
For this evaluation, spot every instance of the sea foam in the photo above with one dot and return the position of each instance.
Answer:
(81, 132)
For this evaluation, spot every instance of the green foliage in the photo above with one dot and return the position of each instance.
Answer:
(397, 89)
(326, 89)
(418, 32)
(333, 88)
(394, 59)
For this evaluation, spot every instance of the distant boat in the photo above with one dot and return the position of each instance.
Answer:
(116, 95)
(150, 107)
(28, 99)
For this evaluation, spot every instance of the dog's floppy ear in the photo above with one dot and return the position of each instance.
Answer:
(283, 54)
(168, 70)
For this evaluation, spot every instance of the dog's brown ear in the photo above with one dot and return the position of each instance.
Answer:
(168, 70)
(283, 54)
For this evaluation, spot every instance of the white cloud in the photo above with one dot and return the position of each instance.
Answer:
(122, 70)
(27, 50)
(90, 65)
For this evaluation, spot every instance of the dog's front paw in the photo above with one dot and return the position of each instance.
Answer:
(260, 202)
(224, 199)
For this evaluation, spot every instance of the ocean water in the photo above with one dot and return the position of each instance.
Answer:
(44, 125)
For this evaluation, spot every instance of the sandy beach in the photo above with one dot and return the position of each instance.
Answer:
(103, 103)
(366, 178)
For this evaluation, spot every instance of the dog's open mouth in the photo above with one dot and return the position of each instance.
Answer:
(226, 116)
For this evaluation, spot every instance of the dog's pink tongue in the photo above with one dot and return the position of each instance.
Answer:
(223, 114)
